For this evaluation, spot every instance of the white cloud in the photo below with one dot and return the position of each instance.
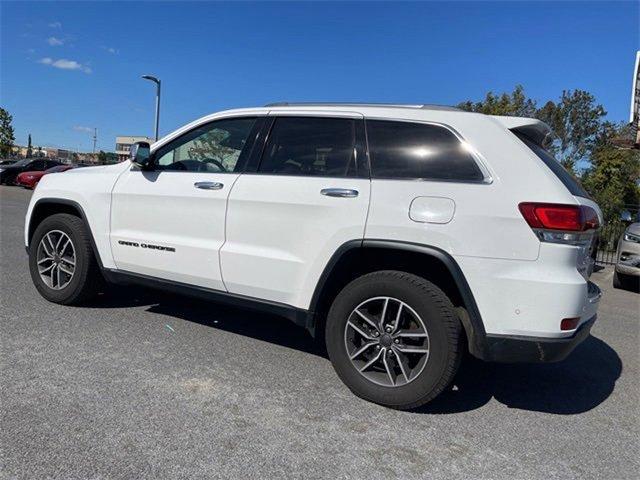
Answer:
(111, 50)
(55, 42)
(65, 64)
(78, 128)
(55, 25)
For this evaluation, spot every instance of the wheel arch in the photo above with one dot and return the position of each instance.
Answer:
(358, 257)
(45, 207)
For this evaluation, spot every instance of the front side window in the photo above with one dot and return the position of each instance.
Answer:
(216, 147)
(324, 147)
(419, 151)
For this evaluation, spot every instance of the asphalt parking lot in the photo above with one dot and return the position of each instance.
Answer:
(142, 384)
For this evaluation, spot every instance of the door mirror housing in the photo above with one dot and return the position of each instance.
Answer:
(140, 154)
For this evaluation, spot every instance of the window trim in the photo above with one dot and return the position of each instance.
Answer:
(475, 155)
(360, 144)
(251, 142)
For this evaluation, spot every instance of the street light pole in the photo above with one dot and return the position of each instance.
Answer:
(157, 82)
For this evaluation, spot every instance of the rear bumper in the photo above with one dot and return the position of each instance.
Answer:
(518, 349)
(536, 349)
(628, 270)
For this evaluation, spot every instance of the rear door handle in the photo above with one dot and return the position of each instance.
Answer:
(209, 185)
(339, 192)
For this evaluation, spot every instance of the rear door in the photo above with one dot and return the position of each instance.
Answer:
(307, 195)
(169, 223)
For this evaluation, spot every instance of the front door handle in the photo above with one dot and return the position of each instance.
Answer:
(209, 185)
(339, 192)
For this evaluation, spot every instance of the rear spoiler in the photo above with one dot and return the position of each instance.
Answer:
(534, 129)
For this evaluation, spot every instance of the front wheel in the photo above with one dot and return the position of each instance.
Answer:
(61, 261)
(394, 339)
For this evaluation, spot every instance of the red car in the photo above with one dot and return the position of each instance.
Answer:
(31, 179)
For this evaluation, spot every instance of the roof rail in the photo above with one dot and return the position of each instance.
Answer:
(357, 104)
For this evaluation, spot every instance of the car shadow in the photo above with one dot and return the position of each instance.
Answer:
(578, 384)
(249, 323)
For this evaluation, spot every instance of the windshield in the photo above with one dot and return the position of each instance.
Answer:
(22, 163)
(568, 180)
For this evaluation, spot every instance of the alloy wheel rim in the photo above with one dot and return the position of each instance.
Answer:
(387, 341)
(56, 259)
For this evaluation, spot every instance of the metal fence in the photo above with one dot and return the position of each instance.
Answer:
(610, 234)
(608, 243)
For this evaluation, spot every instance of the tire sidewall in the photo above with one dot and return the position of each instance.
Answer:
(431, 314)
(69, 292)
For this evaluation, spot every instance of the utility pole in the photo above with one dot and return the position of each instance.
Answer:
(157, 82)
(95, 138)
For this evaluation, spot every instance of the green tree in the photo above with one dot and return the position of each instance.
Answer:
(111, 157)
(614, 174)
(29, 150)
(107, 157)
(6, 133)
(576, 121)
(515, 103)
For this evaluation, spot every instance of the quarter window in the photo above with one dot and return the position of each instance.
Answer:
(418, 150)
(311, 146)
(216, 147)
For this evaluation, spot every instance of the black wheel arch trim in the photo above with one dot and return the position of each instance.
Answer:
(82, 215)
(469, 316)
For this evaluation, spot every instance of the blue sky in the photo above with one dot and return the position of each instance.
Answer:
(69, 67)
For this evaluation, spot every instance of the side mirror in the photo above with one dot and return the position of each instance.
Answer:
(140, 154)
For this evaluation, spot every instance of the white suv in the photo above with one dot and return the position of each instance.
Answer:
(403, 235)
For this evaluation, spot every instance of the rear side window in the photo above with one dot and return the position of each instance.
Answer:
(310, 146)
(417, 150)
(556, 167)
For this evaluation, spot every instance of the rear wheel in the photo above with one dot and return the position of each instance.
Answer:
(394, 339)
(61, 261)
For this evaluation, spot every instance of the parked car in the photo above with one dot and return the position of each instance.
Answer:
(6, 163)
(9, 174)
(627, 269)
(401, 235)
(31, 179)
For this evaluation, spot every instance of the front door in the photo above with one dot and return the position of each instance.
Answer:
(169, 222)
(308, 196)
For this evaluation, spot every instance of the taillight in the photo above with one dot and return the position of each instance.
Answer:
(565, 224)
(552, 216)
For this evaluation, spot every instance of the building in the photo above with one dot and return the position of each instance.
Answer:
(54, 153)
(123, 145)
(60, 154)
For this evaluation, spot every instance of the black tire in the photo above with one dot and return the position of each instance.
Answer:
(87, 280)
(440, 319)
(626, 282)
